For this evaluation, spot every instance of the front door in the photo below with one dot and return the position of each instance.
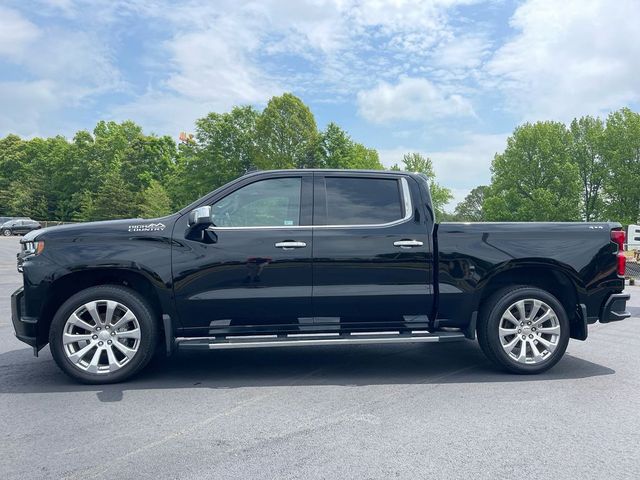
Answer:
(253, 270)
(371, 253)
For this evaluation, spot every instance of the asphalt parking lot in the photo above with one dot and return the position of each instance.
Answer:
(419, 411)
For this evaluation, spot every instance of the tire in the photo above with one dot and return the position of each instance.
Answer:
(545, 339)
(96, 353)
(6, 232)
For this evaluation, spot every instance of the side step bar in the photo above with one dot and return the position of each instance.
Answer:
(304, 339)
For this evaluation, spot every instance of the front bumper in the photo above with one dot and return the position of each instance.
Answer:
(615, 308)
(26, 328)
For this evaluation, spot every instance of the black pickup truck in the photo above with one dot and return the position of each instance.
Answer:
(313, 257)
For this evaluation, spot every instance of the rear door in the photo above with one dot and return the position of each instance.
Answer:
(371, 252)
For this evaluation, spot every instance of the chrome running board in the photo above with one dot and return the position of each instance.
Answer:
(312, 339)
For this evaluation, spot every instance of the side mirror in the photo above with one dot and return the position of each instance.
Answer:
(200, 216)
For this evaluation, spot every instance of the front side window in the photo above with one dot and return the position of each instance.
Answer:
(363, 201)
(274, 202)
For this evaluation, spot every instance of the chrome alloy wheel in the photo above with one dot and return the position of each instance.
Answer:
(101, 336)
(529, 331)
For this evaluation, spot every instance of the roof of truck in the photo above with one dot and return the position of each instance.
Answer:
(332, 170)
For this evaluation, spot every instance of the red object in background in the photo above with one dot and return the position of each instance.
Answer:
(185, 137)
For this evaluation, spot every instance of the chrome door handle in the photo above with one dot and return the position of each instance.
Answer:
(407, 243)
(290, 245)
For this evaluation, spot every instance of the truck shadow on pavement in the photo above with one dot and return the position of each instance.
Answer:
(451, 363)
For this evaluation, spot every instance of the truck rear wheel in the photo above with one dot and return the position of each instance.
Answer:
(523, 329)
(103, 334)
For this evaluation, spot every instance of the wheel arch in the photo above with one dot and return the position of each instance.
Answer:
(558, 280)
(66, 286)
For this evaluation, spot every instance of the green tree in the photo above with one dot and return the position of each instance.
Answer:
(146, 159)
(587, 135)
(287, 136)
(335, 147)
(13, 158)
(338, 150)
(112, 200)
(622, 154)
(223, 149)
(534, 179)
(364, 158)
(118, 171)
(154, 201)
(470, 209)
(440, 196)
(27, 201)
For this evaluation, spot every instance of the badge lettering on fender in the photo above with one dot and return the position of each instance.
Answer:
(149, 227)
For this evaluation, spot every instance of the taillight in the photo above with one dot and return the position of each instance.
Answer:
(617, 237)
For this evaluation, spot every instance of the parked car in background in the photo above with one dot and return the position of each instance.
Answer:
(19, 226)
(5, 219)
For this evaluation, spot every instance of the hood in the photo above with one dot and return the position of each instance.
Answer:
(112, 227)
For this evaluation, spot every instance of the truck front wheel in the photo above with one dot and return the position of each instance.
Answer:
(523, 329)
(103, 334)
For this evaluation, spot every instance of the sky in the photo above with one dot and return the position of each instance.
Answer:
(447, 78)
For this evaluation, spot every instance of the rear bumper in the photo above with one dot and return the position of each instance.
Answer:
(26, 328)
(615, 308)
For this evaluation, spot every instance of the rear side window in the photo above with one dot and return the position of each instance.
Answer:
(363, 201)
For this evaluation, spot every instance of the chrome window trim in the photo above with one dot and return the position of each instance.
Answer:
(408, 214)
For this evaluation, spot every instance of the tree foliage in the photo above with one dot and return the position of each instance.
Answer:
(471, 208)
(622, 156)
(224, 148)
(118, 171)
(338, 150)
(589, 171)
(534, 179)
(587, 139)
(286, 134)
(440, 196)
(155, 201)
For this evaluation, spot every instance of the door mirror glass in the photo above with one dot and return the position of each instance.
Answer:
(200, 216)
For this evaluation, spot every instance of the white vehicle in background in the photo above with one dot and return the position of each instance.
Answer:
(633, 237)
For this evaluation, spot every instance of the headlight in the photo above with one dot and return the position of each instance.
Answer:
(33, 248)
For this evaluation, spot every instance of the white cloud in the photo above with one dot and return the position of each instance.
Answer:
(569, 58)
(461, 167)
(209, 67)
(237, 51)
(462, 52)
(16, 33)
(410, 99)
(164, 113)
(77, 62)
(24, 105)
(224, 59)
(54, 69)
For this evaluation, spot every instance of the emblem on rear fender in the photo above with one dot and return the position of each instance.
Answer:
(148, 227)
